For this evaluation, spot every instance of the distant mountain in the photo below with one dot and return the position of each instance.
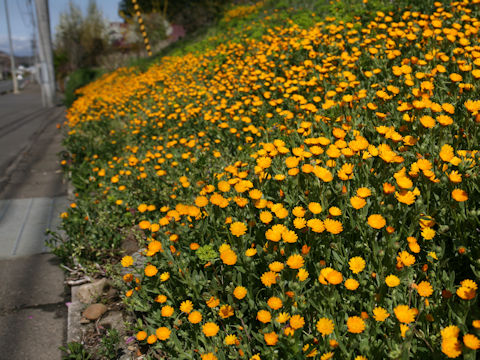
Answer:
(19, 60)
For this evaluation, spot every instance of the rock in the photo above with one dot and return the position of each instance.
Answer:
(94, 311)
(112, 293)
(84, 321)
(74, 331)
(89, 293)
(114, 320)
(130, 244)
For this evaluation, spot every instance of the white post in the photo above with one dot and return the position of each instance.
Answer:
(12, 56)
(45, 51)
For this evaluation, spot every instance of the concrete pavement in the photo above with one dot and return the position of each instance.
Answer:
(32, 194)
(7, 85)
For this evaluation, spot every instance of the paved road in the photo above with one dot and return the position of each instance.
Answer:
(7, 85)
(33, 313)
(22, 117)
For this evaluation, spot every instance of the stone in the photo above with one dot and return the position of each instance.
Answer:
(130, 244)
(114, 320)
(94, 311)
(89, 293)
(74, 331)
(112, 293)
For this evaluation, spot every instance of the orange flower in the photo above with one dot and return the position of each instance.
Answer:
(210, 329)
(355, 324)
(295, 261)
(240, 292)
(424, 289)
(238, 228)
(150, 270)
(325, 326)
(228, 257)
(459, 195)
(163, 333)
(405, 314)
(376, 221)
(269, 278)
(271, 338)
(333, 226)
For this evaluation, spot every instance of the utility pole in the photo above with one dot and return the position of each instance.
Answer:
(45, 51)
(12, 56)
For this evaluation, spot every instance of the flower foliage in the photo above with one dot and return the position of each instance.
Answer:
(313, 193)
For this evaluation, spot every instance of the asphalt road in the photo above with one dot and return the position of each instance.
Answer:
(22, 117)
(33, 312)
(6, 85)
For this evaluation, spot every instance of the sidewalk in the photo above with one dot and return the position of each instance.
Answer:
(33, 314)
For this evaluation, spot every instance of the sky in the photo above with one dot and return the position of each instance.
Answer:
(21, 23)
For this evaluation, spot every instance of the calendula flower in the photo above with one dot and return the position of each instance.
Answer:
(151, 339)
(428, 233)
(167, 311)
(380, 314)
(228, 257)
(327, 356)
(240, 292)
(269, 278)
(355, 325)
(459, 195)
(333, 226)
(376, 221)
(406, 258)
(210, 329)
(334, 277)
(315, 207)
(230, 339)
(302, 274)
(127, 261)
(225, 311)
(186, 306)
(276, 266)
(275, 303)
(405, 314)
(392, 281)
(356, 264)
(364, 192)
(238, 228)
(471, 341)
(424, 289)
(298, 211)
(296, 322)
(451, 347)
(195, 317)
(325, 326)
(264, 316)
(208, 356)
(163, 333)
(357, 202)
(289, 236)
(213, 302)
(250, 252)
(271, 338)
(295, 261)
(151, 270)
(316, 225)
(141, 335)
(266, 217)
(351, 284)
(165, 276)
(299, 223)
